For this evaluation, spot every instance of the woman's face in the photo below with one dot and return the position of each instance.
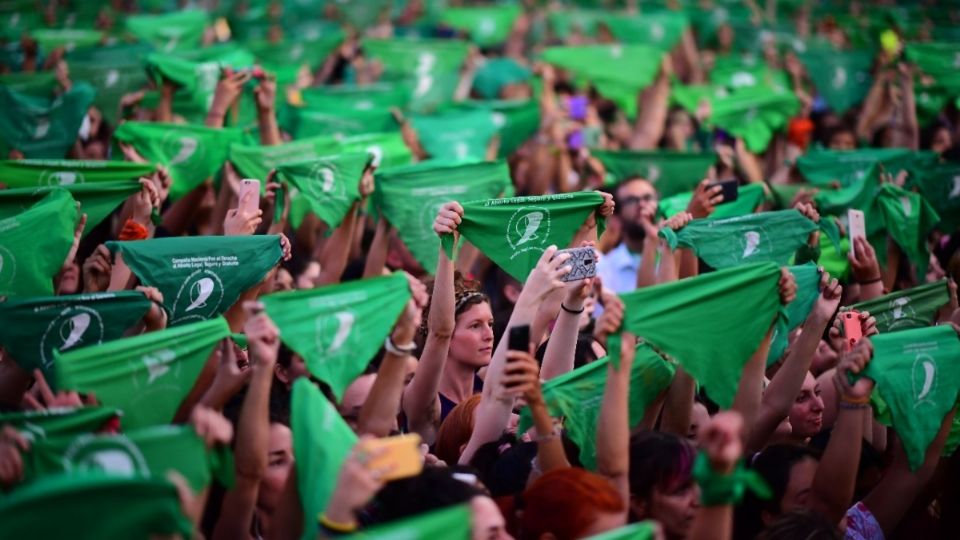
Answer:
(472, 342)
(806, 414)
(675, 507)
(824, 358)
(279, 460)
(488, 522)
(799, 487)
(698, 418)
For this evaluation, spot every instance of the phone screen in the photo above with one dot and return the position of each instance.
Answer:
(519, 338)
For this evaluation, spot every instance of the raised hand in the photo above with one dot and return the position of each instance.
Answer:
(41, 397)
(211, 426)
(829, 299)
(448, 218)
(787, 286)
(610, 321)
(263, 336)
(145, 201)
(545, 276)
(705, 199)
(156, 317)
(853, 363)
(12, 443)
(241, 221)
(96, 270)
(406, 328)
(721, 441)
(521, 376)
(863, 262)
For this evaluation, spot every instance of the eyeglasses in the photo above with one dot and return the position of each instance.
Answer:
(633, 199)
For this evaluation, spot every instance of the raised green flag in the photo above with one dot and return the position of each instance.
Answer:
(111, 80)
(907, 309)
(727, 242)
(940, 186)
(514, 232)
(661, 29)
(749, 198)
(842, 78)
(64, 172)
(345, 110)
(918, 379)
(796, 312)
(644, 530)
(138, 508)
(934, 58)
(430, 68)
(146, 376)
(577, 396)
(338, 329)
(321, 443)
(452, 522)
(171, 31)
(257, 161)
(826, 167)
(388, 149)
(60, 421)
(486, 25)
(516, 121)
(42, 126)
(145, 452)
(32, 328)
(97, 200)
(669, 172)
(200, 277)
(69, 38)
(35, 243)
(191, 153)
(728, 330)
(410, 197)
(908, 218)
(456, 135)
(858, 194)
(495, 73)
(328, 185)
(43, 84)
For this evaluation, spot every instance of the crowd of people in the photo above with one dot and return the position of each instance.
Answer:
(531, 269)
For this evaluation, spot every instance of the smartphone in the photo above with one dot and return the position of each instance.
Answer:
(856, 225)
(251, 186)
(577, 107)
(729, 189)
(519, 338)
(851, 328)
(582, 261)
(402, 455)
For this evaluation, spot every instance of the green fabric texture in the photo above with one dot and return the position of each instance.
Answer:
(514, 232)
(59, 421)
(826, 167)
(842, 78)
(429, 68)
(670, 172)
(644, 530)
(661, 29)
(729, 330)
(496, 73)
(345, 111)
(388, 149)
(69, 38)
(111, 81)
(934, 58)
(907, 309)
(338, 329)
(321, 443)
(329, 185)
(63, 172)
(138, 507)
(728, 242)
(577, 397)
(940, 186)
(29, 260)
(908, 218)
(796, 312)
(43, 84)
(191, 153)
(453, 522)
(486, 25)
(410, 197)
(41, 126)
(182, 30)
(256, 161)
(145, 376)
(147, 452)
(612, 69)
(32, 328)
(749, 198)
(457, 135)
(200, 277)
(918, 378)
(97, 201)
(516, 121)
(858, 194)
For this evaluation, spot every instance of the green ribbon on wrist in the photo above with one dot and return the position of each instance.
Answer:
(723, 489)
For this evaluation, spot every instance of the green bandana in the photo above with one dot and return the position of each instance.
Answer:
(644, 530)
(662, 30)
(170, 32)
(410, 198)
(191, 153)
(908, 218)
(749, 198)
(940, 186)
(487, 26)
(138, 508)
(496, 73)
(905, 310)
(456, 135)
(796, 312)
(258, 161)
(69, 38)
(764, 237)
(858, 194)
(295, 52)
(146, 376)
(200, 277)
(728, 329)
(42, 127)
(32, 328)
(345, 110)
(429, 67)
(669, 172)
(321, 443)
(34, 244)
(64, 172)
(842, 78)
(449, 522)
(143, 452)
(918, 378)
(112, 81)
(935, 58)
(824, 167)
(97, 201)
(514, 232)
(59, 421)
(577, 396)
(337, 329)
(516, 121)
(42, 84)
(388, 149)
(735, 73)
(329, 186)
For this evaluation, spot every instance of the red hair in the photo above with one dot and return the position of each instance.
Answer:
(456, 429)
(566, 502)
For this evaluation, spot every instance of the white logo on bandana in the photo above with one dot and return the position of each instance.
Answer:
(75, 326)
(924, 379)
(114, 454)
(752, 243)
(528, 228)
(199, 297)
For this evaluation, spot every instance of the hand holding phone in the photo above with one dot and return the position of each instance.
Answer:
(852, 332)
(729, 189)
(582, 262)
(518, 340)
(857, 227)
(249, 195)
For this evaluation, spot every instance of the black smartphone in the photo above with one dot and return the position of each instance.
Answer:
(519, 338)
(729, 189)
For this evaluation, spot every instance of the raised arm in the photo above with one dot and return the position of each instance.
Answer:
(376, 261)
(336, 250)
(613, 430)
(525, 379)
(265, 95)
(866, 269)
(225, 96)
(909, 106)
(653, 107)
(561, 348)
(722, 446)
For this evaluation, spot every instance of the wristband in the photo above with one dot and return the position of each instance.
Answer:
(859, 401)
(334, 526)
(853, 405)
(723, 489)
(573, 311)
(399, 350)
